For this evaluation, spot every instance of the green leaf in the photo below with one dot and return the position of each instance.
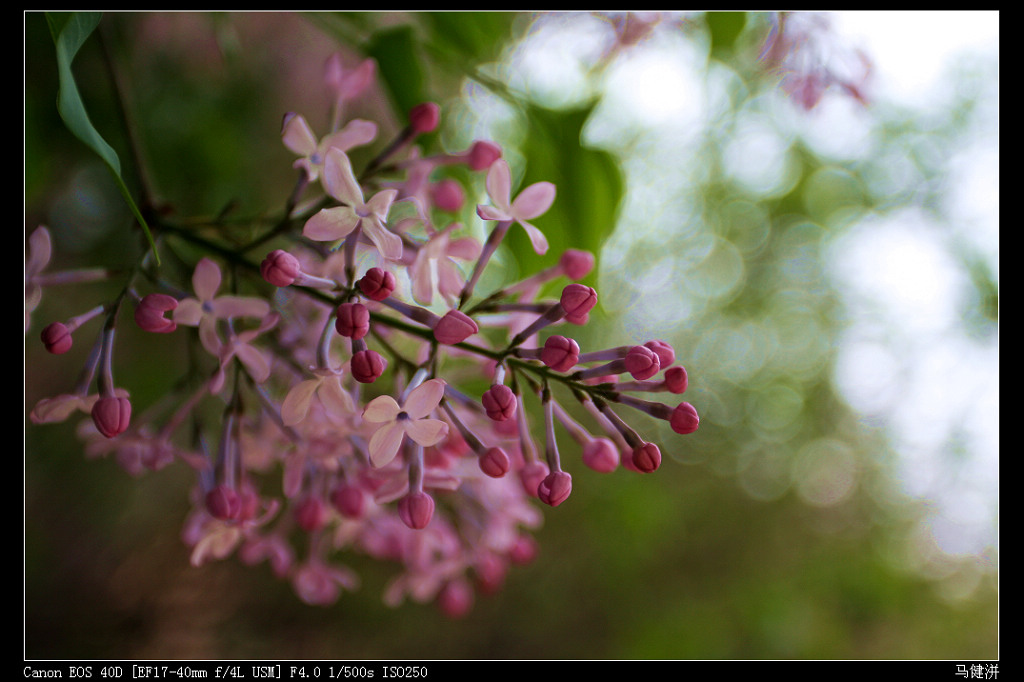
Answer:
(725, 28)
(399, 66)
(589, 186)
(69, 32)
(475, 37)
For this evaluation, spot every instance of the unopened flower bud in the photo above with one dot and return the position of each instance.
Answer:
(448, 195)
(676, 379)
(377, 284)
(666, 354)
(310, 514)
(499, 402)
(149, 313)
(57, 338)
(560, 353)
(531, 476)
(482, 154)
(495, 463)
(424, 117)
(577, 300)
(601, 455)
(353, 320)
(416, 510)
(367, 366)
(642, 362)
(555, 488)
(454, 327)
(349, 500)
(647, 457)
(684, 419)
(456, 598)
(576, 264)
(280, 268)
(523, 551)
(111, 415)
(224, 503)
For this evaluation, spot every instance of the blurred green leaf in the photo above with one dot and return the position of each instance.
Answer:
(725, 28)
(70, 31)
(399, 66)
(589, 186)
(475, 37)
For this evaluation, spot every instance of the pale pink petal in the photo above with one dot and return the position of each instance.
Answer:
(208, 335)
(426, 432)
(188, 312)
(254, 361)
(381, 409)
(491, 213)
(380, 203)
(499, 183)
(356, 133)
(331, 224)
(385, 443)
(296, 403)
(465, 248)
(56, 409)
(336, 400)
(537, 238)
(339, 181)
(387, 242)
(424, 398)
(449, 279)
(534, 200)
(40, 248)
(298, 136)
(206, 279)
(239, 306)
(421, 278)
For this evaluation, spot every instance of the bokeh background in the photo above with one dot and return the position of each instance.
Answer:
(829, 277)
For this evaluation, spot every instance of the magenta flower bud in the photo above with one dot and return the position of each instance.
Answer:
(495, 463)
(576, 264)
(455, 327)
(531, 476)
(448, 195)
(149, 313)
(224, 503)
(367, 366)
(577, 300)
(560, 353)
(349, 500)
(353, 320)
(456, 598)
(377, 284)
(57, 338)
(280, 268)
(499, 402)
(646, 457)
(310, 514)
(523, 551)
(111, 415)
(424, 117)
(666, 354)
(601, 455)
(482, 154)
(641, 362)
(684, 419)
(555, 488)
(676, 379)
(416, 510)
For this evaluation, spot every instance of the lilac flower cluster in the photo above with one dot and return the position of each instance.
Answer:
(367, 399)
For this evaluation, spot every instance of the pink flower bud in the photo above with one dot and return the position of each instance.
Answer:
(482, 154)
(666, 355)
(149, 313)
(455, 327)
(367, 366)
(495, 463)
(448, 195)
(555, 488)
(280, 268)
(641, 362)
(456, 598)
(377, 284)
(499, 402)
(56, 338)
(531, 476)
(111, 415)
(560, 353)
(353, 320)
(676, 379)
(416, 510)
(223, 503)
(349, 500)
(684, 419)
(647, 457)
(424, 117)
(310, 514)
(577, 300)
(601, 455)
(523, 551)
(576, 264)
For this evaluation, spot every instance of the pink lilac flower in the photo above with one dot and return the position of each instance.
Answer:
(326, 386)
(298, 137)
(433, 268)
(530, 203)
(410, 419)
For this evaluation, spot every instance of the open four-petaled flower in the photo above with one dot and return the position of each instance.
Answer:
(397, 422)
(533, 201)
(207, 307)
